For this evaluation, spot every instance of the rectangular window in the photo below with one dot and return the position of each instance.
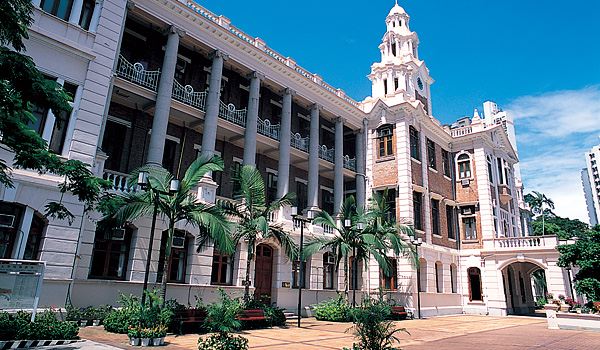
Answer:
(114, 145)
(110, 255)
(58, 8)
(417, 208)
(271, 186)
(389, 281)
(86, 13)
(385, 141)
(236, 167)
(396, 83)
(296, 274)
(501, 179)
(301, 195)
(327, 200)
(415, 148)
(446, 163)
(176, 267)
(385, 92)
(169, 155)
(328, 270)
(490, 172)
(450, 221)
(435, 217)
(390, 202)
(222, 268)
(470, 228)
(431, 161)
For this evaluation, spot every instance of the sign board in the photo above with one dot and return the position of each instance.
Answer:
(21, 284)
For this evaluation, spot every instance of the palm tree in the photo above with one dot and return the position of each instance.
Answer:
(182, 205)
(537, 201)
(370, 234)
(252, 218)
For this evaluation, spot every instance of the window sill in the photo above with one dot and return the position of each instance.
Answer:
(447, 177)
(433, 170)
(415, 160)
(476, 302)
(436, 235)
(385, 159)
(468, 241)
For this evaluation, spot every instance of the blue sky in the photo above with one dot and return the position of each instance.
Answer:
(539, 59)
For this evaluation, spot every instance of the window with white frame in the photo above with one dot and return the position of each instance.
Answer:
(469, 228)
(464, 166)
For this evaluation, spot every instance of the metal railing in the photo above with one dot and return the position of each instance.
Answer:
(187, 95)
(264, 127)
(299, 142)
(465, 130)
(137, 74)
(326, 154)
(349, 163)
(230, 113)
(119, 181)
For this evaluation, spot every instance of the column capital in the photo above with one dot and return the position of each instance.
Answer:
(219, 53)
(288, 91)
(339, 119)
(365, 123)
(256, 75)
(175, 30)
(316, 106)
(130, 5)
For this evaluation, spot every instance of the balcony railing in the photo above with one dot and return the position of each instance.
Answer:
(349, 163)
(119, 181)
(326, 229)
(528, 242)
(187, 95)
(230, 113)
(264, 127)
(465, 130)
(299, 142)
(327, 154)
(137, 74)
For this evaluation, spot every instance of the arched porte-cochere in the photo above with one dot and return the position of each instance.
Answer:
(263, 273)
(523, 283)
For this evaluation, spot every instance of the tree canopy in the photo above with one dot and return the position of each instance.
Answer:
(585, 255)
(22, 88)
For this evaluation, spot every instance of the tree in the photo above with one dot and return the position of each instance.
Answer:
(376, 237)
(23, 87)
(183, 205)
(585, 254)
(251, 216)
(537, 201)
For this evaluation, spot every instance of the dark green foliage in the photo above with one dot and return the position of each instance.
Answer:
(45, 327)
(335, 310)
(273, 314)
(585, 254)
(132, 314)
(372, 328)
(222, 341)
(221, 316)
(22, 86)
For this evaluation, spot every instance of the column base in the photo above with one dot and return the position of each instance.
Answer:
(207, 190)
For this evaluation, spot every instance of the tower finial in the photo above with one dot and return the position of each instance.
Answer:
(396, 1)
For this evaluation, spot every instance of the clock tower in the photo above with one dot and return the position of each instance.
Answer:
(400, 76)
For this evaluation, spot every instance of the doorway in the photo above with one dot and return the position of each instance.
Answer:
(263, 273)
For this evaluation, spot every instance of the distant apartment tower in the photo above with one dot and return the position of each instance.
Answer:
(591, 184)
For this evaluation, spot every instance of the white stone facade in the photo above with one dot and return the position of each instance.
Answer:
(330, 145)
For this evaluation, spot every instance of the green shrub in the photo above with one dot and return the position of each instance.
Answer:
(335, 310)
(45, 327)
(221, 316)
(372, 326)
(223, 341)
(275, 316)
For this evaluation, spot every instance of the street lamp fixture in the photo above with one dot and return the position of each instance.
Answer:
(301, 279)
(144, 183)
(417, 242)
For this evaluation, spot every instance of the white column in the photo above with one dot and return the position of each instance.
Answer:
(76, 12)
(338, 179)
(285, 136)
(313, 159)
(360, 169)
(209, 136)
(390, 82)
(160, 121)
(251, 120)
(95, 16)
(23, 235)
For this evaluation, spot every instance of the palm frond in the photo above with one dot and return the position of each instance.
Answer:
(198, 169)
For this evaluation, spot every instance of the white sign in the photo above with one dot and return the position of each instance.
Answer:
(21, 284)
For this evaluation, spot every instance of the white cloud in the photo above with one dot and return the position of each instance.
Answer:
(554, 131)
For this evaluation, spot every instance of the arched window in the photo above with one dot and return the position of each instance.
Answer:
(110, 256)
(385, 140)
(222, 268)
(464, 166)
(439, 277)
(176, 268)
(13, 220)
(453, 281)
(422, 275)
(328, 270)
(475, 292)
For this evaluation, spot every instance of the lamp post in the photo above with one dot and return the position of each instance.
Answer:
(144, 183)
(354, 275)
(417, 243)
(301, 278)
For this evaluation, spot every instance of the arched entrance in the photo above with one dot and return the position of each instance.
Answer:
(263, 273)
(523, 283)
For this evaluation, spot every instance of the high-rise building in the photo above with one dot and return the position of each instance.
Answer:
(590, 178)
(158, 82)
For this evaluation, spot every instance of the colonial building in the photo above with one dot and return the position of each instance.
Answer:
(161, 81)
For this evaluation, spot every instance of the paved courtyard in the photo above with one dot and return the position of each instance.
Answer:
(440, 333)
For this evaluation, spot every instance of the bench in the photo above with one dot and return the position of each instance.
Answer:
(189, 320)
(252, 315)
(399, 313)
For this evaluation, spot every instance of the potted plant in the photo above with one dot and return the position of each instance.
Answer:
(134, 335)
(146, 336)
(161, 333)
(577, 307)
